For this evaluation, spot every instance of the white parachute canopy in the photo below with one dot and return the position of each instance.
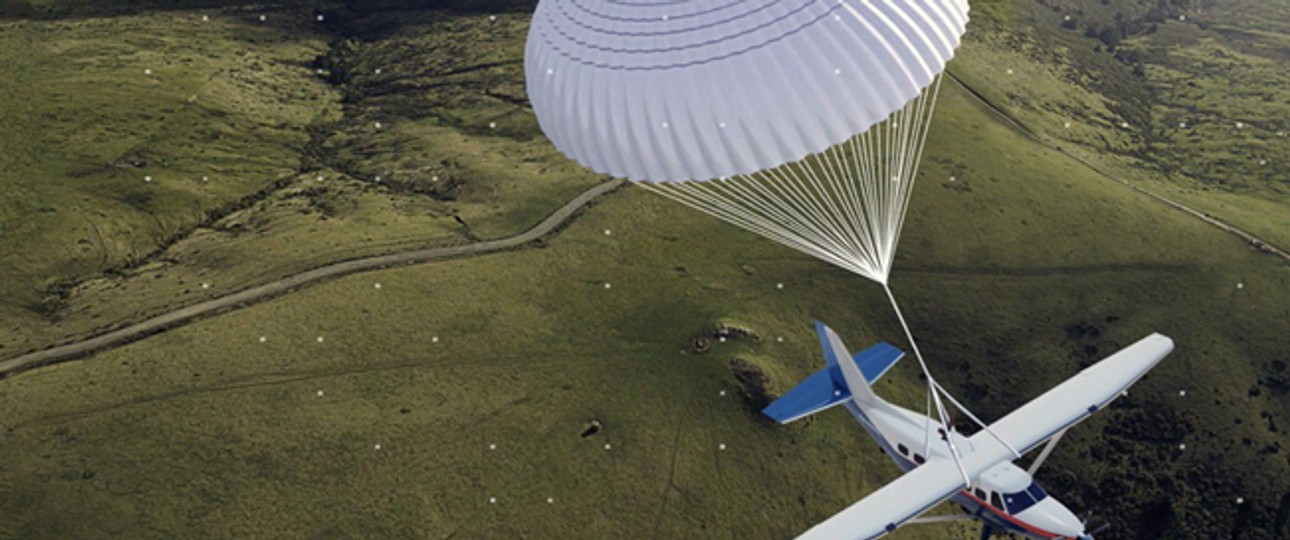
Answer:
(800, 120)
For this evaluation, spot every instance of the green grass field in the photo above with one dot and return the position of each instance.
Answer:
(1016, 273)
(296, 173)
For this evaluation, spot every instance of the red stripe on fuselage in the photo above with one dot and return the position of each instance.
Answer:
(999, 512)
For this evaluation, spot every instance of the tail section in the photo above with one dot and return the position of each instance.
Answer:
(845, 377)
(854, 380)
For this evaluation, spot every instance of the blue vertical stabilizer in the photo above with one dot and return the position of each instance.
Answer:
(827, 387)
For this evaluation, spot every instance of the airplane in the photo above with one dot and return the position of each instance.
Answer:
(977, 473)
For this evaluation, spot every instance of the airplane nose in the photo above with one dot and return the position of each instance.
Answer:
(1053, 516)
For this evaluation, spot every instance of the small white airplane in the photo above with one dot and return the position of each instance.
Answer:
(1002, 496)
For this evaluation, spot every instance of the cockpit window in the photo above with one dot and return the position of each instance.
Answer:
(1037, 492)
(1021, 500)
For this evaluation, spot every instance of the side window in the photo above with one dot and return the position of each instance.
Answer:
(995, 501)
(979, 494)
(919, 459)
(904, 450)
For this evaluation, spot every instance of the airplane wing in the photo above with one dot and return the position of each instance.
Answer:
(1080, 396)
(903, 499)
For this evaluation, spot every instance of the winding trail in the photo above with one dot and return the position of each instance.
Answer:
(1256, 242)
(245, 297)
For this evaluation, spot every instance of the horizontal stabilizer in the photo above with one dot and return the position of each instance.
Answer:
(827, 387)
(816, 393)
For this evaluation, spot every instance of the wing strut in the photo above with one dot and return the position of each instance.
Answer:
(940, 519)
(1048, 448)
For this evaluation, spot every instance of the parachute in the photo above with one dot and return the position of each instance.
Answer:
(800, 120)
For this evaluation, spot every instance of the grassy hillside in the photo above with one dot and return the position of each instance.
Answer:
(1188, 102)
(264, 149)
(207, 431)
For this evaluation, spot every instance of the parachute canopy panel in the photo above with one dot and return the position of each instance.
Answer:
(680, 90)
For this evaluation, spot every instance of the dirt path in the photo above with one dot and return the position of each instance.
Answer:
(260, 293)
(1258, 243)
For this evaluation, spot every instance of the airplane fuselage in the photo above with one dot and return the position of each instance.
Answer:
(1006, 499)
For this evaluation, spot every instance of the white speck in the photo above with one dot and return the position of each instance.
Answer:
(607, 285)
(206, 285)
(1240, 125)
(1009, 71)
(378, 179)
(264, 339)
(434, 178)
(780, 339)
(665, 17)
(1240, 285)
(1182, 393)
(376, 285)
(1182, 17)
(1240, 500)
(953, 178)
(837, 72)
(147, 179)
(492, 17)
(318, 71)
(837, 17)
(263, 18)
(721, 125)
(320, 18)
(492, 500)
(320, 339)
(607, 446)
(1182, 125)
(492, 446)
(147, 72)
(837, 393)
(319, 393)
(318, 178)
(779, 285)
(1124, 125)
(206, 178)
(722, 339)
(206, 17)
(1067, 18)
(1263, 162)
(377, 124)
(550, 500)
(376, 446)
(721, 446)
(722, 393)
(492, 125)
(550, 71)
(664, 125)
(1182, 447)
(377, 71)
(434, 339)
(608, 232)
(1067, 125)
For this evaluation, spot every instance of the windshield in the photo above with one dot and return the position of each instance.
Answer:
(1021, 500)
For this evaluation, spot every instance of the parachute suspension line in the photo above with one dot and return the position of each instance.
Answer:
(843, 205)
(930, 105)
